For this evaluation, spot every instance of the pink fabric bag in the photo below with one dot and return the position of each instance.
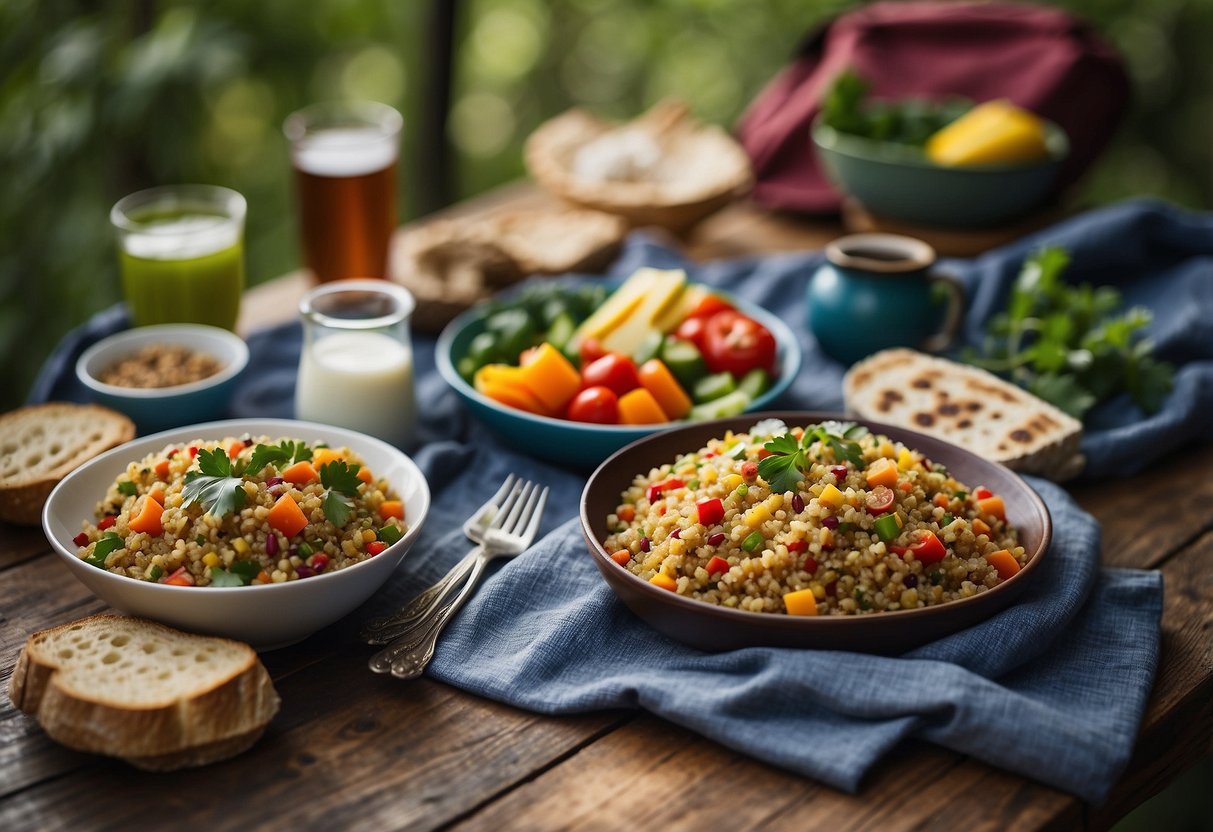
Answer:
(1040, 58)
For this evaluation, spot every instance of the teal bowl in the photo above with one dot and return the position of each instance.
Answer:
(160, 408)
(578, 444)
(899, 182)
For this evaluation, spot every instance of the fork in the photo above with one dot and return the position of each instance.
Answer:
(391, 627)
(510, 533)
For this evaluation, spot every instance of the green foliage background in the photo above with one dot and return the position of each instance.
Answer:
(98, 100)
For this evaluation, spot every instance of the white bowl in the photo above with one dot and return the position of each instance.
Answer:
(160, 408)
(269, 615)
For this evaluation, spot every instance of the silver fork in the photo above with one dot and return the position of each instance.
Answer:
(391, 627)
(510, 533)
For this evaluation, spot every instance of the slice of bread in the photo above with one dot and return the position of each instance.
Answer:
(156, 697)
(42, 444)
(966, 406)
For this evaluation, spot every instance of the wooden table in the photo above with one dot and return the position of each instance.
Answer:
(353, 750)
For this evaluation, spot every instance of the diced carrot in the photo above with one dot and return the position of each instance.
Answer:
(262, 577)
(622, 557)
(980, 526)
(365, 475)
(941, 500)
(301, 473)
(157, 494)
(905, 486)
(391, 508)
(800, 602)
(882, 472)
(161, 469)
(234, 449)
(626, 513)
(993, 505)
(323, 456)
(664, 581)
(148, 519)
(639, 407)
(1004, 563)
(286, 516)
(551, 377)
(656, 377)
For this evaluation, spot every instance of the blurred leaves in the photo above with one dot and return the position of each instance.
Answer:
(98, 100)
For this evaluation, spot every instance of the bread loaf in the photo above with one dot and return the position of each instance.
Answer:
(966, 406)
(156, 697)
(41, 444)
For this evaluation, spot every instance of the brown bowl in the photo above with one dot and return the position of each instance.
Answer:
(710, 627)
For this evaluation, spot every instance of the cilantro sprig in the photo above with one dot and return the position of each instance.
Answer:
(285, 452)
(341, 483)
(214, 484)
(1067, 345)
(240, 573)
(789, 460)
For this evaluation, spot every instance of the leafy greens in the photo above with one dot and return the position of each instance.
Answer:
(1065, 344)
(910, 121)
(214, 485)
(341, 482)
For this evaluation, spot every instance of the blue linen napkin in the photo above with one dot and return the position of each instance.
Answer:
(1052, 688)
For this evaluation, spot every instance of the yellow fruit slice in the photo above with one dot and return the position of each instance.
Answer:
(996, 132)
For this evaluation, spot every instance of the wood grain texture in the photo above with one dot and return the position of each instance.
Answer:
(21, 543)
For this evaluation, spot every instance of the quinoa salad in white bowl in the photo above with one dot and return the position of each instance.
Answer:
(262, 530)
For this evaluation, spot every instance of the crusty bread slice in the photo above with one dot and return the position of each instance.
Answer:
(156, 697)
(42, 444)
(966, 406)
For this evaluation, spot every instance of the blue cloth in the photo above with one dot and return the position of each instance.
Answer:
(1052, 688)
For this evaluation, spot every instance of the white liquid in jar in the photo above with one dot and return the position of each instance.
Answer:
(358, 380)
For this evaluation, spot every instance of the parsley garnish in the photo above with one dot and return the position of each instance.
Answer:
(1064, 344)
(127, 488)
(213, 484)
(109, 542)
(341, 482)
(240, 573)
(286, 451)
(788, 462)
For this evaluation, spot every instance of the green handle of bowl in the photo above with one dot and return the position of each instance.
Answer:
(955, 314)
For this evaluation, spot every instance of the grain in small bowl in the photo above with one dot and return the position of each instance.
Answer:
(210, 568)
(166, 375)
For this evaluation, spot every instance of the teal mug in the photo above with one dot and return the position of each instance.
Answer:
(877, 291)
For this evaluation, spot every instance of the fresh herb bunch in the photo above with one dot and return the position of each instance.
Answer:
(1065, 344)
(215, 485)
(910, 121)
(341, 483)
(789, 461)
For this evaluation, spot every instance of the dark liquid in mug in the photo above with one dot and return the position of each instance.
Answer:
(881, 254)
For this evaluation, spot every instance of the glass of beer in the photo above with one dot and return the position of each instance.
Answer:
(181, 249)
(344, 155)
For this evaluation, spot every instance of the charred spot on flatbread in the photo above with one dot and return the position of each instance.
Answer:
(924, 419)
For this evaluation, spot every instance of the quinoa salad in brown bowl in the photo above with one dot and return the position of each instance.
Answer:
(802, 523)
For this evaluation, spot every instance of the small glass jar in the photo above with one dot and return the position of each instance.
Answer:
(356, 367)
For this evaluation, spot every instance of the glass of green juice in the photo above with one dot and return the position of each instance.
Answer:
(181, 249)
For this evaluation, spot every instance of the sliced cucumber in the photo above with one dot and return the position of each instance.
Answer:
(713, 387)
(650, 347)
(755, 382)
(560, 331)
(731, 405)
(684, 361)
(483, 349)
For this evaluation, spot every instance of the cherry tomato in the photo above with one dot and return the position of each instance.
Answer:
(736, 344)
(595, 404)
(693, 330)
(709, 306)
(590, 351)
(613, 370)
(880, 499)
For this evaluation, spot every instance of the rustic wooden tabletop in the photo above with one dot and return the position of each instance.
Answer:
(350, 749)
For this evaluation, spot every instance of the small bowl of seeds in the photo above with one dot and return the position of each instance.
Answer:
(165, 376)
